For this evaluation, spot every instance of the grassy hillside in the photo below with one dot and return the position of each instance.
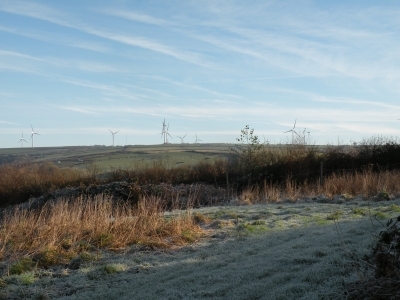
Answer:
(108, 158)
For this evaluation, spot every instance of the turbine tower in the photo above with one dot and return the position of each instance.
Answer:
(182, 142)
(113, 134)
(293, 131)
(22, 140)
(33, 134)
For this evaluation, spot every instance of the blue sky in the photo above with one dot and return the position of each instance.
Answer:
(75, 69)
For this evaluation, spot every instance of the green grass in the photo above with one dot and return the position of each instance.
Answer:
(394, 207)
(108, 158)
(359, 211)
(380, 215)
(21, 266)
(334, 216)
(114, 268)
(27, 278)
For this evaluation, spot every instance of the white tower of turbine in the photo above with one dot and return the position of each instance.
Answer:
(113, 134)
(33, 134)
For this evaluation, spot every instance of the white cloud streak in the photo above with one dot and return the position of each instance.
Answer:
(47, 14)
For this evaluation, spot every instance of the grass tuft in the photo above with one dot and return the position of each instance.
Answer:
(334, 216)
(42, 233)
(25, 264)
(114, 268)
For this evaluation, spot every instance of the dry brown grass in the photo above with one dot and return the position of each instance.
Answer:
(367, 184)
(19, 183)
(62, 229)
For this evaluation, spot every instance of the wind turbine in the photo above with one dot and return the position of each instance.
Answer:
(182, 142)
(167, 134)
(197, 140)
(293, 131)
(33, 134)
(163, 131)
(113, 133)
(22, 140)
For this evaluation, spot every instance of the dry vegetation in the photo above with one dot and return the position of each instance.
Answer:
(366, 184)
(72, 230)
(62, 229)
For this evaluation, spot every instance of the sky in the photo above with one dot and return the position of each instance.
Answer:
(73, 70)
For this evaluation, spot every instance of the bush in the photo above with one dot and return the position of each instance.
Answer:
(384, 282)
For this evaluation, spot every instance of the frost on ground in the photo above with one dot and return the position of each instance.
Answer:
(270, 251)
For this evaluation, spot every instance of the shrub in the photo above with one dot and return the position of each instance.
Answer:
(25, 264)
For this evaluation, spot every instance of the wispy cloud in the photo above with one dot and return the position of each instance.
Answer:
(136, 41)
(315, 44)
(20, 62)
(109, 90)
(195, 87)
(137, 17)
(56, 39)
(276, 114)
(85, 65)
(47, 14)
(8, 122)
(79, 110)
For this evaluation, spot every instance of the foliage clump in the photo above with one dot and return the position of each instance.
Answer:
(384, 282)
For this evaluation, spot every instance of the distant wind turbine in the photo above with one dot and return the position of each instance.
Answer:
(197, 140)
(33, 134)
(22, 140)
(293, 131)
(182, 142)
(165, 132)
(113, 134)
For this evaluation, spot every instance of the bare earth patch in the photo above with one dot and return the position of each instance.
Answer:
(265, 251)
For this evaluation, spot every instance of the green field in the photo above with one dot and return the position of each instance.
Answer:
(108, 158)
